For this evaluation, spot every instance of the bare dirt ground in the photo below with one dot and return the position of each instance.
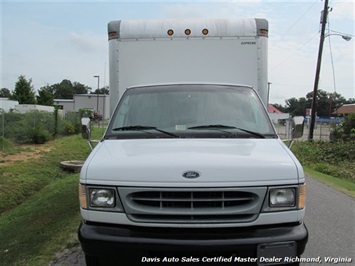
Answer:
(26, 152)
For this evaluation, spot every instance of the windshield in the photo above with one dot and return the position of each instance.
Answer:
(190, 111)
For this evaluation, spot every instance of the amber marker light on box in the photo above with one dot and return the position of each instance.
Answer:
(112, 34)
(205, 31)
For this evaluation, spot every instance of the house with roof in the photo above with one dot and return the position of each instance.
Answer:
(276, 115)
(345, 109)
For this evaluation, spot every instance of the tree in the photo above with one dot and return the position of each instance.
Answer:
(350, 101)
(346, 130)
(5, 93)
(66, 89)
(45, 96)
(23, 92)
(104, 90)
(80, 88)
(63, 90)
(327, 102)
(297, 106)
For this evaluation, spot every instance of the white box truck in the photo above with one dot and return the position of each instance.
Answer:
(190, 168)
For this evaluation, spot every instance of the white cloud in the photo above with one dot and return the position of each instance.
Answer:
(87, 42)
(49, 58)
(342, 10)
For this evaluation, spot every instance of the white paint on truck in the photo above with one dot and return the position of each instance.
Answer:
(234, 51)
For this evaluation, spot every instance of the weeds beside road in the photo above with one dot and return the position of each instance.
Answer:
(39, 210)
(332, 159)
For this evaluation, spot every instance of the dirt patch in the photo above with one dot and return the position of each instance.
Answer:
(28, 152)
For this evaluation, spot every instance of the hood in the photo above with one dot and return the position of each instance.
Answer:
(165, 162)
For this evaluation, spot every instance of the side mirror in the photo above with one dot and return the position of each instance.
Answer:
(85, 128)
(297, 127)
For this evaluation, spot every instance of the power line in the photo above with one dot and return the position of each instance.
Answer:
(294, 24)
(300, 47)
(331, 57)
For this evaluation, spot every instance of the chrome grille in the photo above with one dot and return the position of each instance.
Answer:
(186, 205)
(194, 200)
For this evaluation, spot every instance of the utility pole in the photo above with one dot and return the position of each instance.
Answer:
(268, 92)
(316, 81)
(97, 94)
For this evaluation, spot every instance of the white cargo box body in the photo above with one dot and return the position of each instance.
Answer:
(229, 51)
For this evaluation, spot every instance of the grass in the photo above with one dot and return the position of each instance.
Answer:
(37, 229)
(39, 211)
(22, 180)
(343, 185)
(7, 147)
(336, 159)
(332, 163)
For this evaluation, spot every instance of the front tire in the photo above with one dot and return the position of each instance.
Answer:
(92, 260)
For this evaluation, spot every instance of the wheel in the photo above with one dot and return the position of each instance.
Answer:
(92, 260)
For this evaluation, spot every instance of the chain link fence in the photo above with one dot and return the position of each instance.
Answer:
(40, 126)
(36, 126)
(322, 130)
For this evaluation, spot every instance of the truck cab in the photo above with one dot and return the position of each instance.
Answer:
(195, 168)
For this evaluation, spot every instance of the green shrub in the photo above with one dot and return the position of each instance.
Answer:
(40, 135)
(66, 128)
(332, 158)
(70, 124)
(31, 127)
(6, 145)
(346, 130)
(38, 126)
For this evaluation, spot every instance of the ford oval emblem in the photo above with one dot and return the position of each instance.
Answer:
(191, 174)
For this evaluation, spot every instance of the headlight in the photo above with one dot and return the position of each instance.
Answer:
(102, 197)
(282, 197)
(285, 198)
(99, 198)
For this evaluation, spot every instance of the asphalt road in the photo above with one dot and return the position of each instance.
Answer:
(330, 219)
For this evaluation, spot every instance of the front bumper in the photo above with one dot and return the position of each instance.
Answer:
(126, 241)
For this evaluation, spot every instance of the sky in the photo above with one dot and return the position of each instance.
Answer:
(48, 41)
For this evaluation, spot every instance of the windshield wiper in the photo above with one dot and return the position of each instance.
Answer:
(143, 128)
(218, 126)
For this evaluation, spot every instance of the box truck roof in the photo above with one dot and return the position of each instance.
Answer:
(182, 28)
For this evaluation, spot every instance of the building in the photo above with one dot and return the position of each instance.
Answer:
(100, 103)
(273, 109)
(276, 115)
(7, 105)
(24, 108)
(346, 109)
